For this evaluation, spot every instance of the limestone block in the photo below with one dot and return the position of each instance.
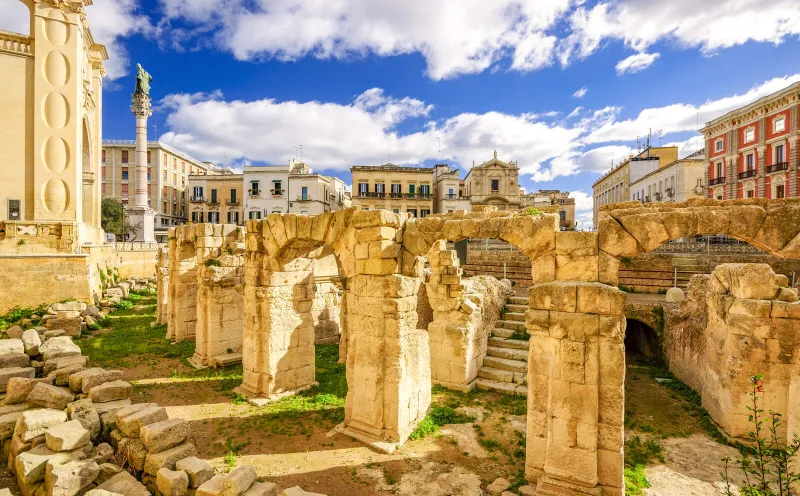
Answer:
(69, 478)
(498, 486)
(67, 306)
(70, 326)
(124, 483)
(212, 487)
(111, 391)
(675, 295)
(600, 299)
(14, 332)
(7, 374)
(60, 346)
(96, 378)
(172, 482)
(754, 281)
(64, 362)
(133, 449)
(107, 471)
(298, 491)
(30, 466)
(67, 436)
(48, 396)
(61, 376)
(131, 424)
(557, 295)
(14, 360)
(781, 280)
(262, 489)
(168, 458)
(31, 341)
(165, 434)
(11, 346)
(613, 239)
(238, 481)
(543, 268)
(375, 218)
(199, 471)
(34, 423)
(787, 294)
(8, 422)
(102, 453)
(101, 492)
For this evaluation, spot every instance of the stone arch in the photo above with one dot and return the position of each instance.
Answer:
(630, 229)
(641, 338)
(18, 7)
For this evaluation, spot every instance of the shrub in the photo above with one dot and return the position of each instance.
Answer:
(124, 304)
(212, 262)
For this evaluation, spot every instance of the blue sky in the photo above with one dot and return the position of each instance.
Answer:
(563, 86)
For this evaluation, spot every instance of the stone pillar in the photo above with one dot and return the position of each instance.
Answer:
(182, 306)
(732, 177)
(162, 286)
(142, 217)
(794, 165)
(220, 304)
(576, 374)
(761, 175)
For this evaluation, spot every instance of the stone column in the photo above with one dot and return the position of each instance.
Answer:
(220, 304)
(142, 217)
(162, 286)
(576, 376)
(182, 304)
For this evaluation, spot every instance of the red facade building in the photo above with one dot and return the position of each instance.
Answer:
(751, 152)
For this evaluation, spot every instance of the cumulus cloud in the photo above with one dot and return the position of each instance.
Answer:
(581, 92)
(636, 62)
(583, 208)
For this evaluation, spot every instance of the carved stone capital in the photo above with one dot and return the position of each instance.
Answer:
(141, 105)
(761, 149)
(793, 140)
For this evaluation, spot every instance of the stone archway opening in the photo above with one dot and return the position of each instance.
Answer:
(641, 340)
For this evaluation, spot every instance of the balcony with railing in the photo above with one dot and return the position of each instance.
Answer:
(716, 180)
(15, 43)
(303, 198)
(232, 203)
(197, 199)
(780, 166)
(277, 193)
(748, 173)
(371, 194)
(254, 193)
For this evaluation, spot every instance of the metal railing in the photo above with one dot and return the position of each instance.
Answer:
(716, 180)
(197, 199)
(780, 166)
(747, 173)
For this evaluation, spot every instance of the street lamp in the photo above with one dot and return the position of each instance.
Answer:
(121, 204)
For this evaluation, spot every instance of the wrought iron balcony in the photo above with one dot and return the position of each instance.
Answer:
(748, 173)
(234, 203)
(780, 166)
(197, 199)
(395, 195)
(716, 180)
(371, 194)
(302, 198)
(254, 193)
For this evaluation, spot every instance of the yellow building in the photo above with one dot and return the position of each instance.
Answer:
(217, 198)
(50, 110)
(614, 185)
(553, 197)
(494, 182)
(394, 188)
(168, 172)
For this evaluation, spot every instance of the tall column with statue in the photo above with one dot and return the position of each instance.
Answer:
(142, 217)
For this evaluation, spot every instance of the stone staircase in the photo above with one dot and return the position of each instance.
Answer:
(505, 368)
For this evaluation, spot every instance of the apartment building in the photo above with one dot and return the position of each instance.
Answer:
(550, 197)
(494, 182)
(751, 152)
(394, 188)
(614, 185)
(448, 190)
(216, 199)
(168, 171)
(675, 182)
(292, 188)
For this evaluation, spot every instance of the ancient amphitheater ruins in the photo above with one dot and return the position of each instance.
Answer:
(265, 294)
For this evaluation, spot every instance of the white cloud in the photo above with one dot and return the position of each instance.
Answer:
(16, 17)
(583, 208)
(681, 117)
(636, 62)
(581, 92)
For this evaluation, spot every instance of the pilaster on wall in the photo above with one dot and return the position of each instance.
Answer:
(182, 309)
(220, 305)
(761, 175)
(794, 162)
(576, 375)
(732, 176)
(162, 286)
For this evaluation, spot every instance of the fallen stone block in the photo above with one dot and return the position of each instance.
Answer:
(262, 489)
(124, 483)
(239, 481)
(168, 458)
(69, 478)
(298, 491)
(101, 492)
(107, 471)
(133, 450)
(34, 423)
(111, 391)
(30, 465)
(160, 436)
(8, 423)
(95, 379)
(67, 306)
(131, 409)
(212, 487)
(61, 376)
(199, 471)
(14, 332)
(226, 360)
(84, 412)
(172, 482)
(76, 379)
(57, 347)
(64, 362)
(67, 436)
(14, 360)
(102, 453)
(111, 406)
(11, 346)
(89, 320)
(130, 425)
(7, 374)
(70, 325)
(31, 342)
(55, 333)
(18, 388)
(48, 396)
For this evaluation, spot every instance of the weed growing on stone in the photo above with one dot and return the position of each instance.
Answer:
(635, 481)
(212, 262)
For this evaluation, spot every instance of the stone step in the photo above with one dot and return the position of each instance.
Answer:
(503, 333)
(502, 387)
(515, 316)
(506, 364)
(226, 360)
(517, 308)
(501, 375)
(514, 325)
(519, 300)
(517, 344)
(509, 353)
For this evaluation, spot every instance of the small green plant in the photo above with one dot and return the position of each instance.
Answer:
(439, 416)
(239, 399)
(635, 480)
(212, 262)
(533, 211)
(230, 461)
(768, 467)
(124, 305)
(625, 260)
(229, 350)
(20, 242)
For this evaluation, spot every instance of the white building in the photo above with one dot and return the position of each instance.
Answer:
(447, 190)
(674, 182)
(292, 188)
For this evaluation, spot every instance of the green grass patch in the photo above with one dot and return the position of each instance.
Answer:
(17, 314)
(638, 452)
(439, 416)
(635, 481)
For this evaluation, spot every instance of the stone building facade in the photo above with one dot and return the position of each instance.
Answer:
(751, 152)
(217, 198)
(394, 188)
(674, 182)
(494, 183)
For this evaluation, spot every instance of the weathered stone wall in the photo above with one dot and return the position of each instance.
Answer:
(182, 308)
(32, 280)
(576, 375)
(137, 264)
(753, 328)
